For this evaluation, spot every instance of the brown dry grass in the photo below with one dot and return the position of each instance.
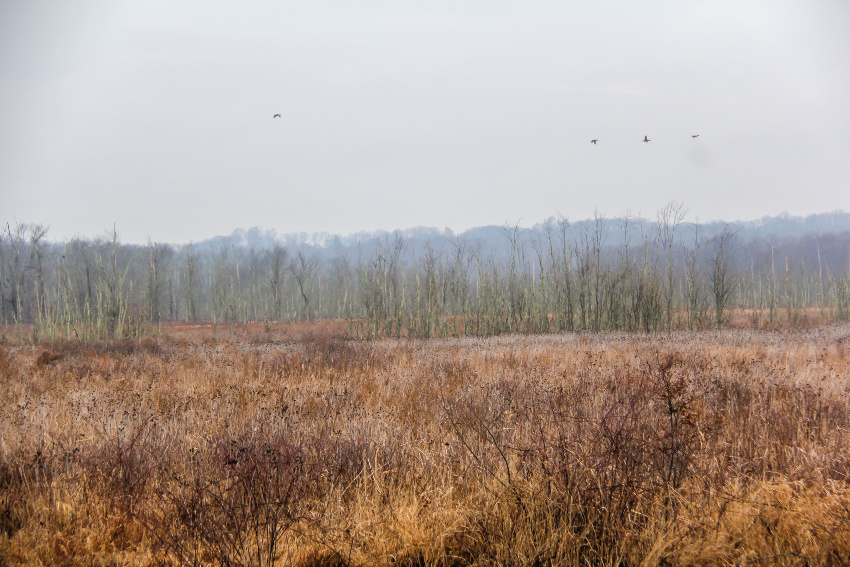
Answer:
(300, 447)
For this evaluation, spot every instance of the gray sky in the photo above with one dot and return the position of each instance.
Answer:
(157, 115)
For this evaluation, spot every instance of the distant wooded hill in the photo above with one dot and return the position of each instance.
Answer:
(775, 229)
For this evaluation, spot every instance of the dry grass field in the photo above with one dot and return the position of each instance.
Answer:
(297, 446)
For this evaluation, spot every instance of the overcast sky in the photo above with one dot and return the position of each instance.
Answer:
(156, 115)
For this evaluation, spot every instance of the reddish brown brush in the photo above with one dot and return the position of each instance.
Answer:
(299, 446)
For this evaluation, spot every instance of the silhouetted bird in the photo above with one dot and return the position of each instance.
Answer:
(594, 141)
(645, 139)
(695, 136)
(276, 116)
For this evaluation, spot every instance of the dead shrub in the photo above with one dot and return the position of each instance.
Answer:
(46, 357)
(236, 499)
(333, 352)
(8, 369)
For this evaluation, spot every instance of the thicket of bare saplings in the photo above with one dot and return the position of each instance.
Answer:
(611, 274)
(706, 448)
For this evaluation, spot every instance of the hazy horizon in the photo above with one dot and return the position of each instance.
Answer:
(451, 231)
(158, 116)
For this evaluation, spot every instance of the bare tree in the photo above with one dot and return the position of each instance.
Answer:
(111, 299)
(563, 260)
(190, 283)
(3, 283)
(304, 270)
(694, 295)
(16, 267)
(516, 280)
(669, 219)
(620, 314)
(723, 279)
(36, 233)
(153, 283)
(277, 259)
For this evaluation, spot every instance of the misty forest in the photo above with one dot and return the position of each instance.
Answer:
(601, 274)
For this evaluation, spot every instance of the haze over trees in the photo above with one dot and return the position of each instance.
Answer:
(619, 273)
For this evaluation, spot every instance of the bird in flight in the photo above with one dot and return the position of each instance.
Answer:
(276, 116)
(646, 139)
(695, 136)
(594, 141)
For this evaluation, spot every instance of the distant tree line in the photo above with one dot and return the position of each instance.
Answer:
(609, 274)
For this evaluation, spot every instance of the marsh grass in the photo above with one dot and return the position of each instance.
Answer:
(307, 448)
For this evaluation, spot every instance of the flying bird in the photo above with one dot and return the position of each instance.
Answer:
(276, 116)
(594, 141)
(695, 136)
(646, 139)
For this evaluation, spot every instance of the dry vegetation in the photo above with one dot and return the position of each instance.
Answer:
(211, 446)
